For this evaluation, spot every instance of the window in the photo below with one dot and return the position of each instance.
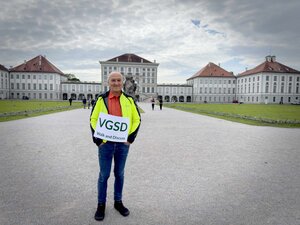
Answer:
(282, 78)
(267, 78)
(267, 87)
(274, 87)
(28, 76)
(290, 88)
(290, 78)
(275, 78)
(282, 88)
(274, 99)
(28, 86)
(12, 76)
(40, 88)
(34, 86)
(23, 76)
(34, 77)
(12, 85)
(45, 86)
(23, 86)
(51, 87)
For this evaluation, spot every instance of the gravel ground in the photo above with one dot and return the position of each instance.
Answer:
(183, 168)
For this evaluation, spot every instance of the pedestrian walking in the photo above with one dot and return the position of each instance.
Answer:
(160, 103)
(89, 103)
(84, 102)
(117, 111)
(152, 103)
(70, 100)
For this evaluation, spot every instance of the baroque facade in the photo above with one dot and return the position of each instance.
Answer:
(269, 82)
(143, 72)
(4, 85)
(213, 84)
(40, 79)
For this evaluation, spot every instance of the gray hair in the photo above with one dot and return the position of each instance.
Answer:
(114, 72)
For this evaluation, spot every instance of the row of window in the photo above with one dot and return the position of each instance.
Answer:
(215, 81)
(214, 98)
(267, 78)
(4, 75)
(81, 88)
(34, 77)
(273, 99)
(127, 69)
(215, 90)
(274, 90)
(34, 86)
(33, 95)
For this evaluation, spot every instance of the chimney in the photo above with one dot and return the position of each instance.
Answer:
(142, 60)
(154, 61)
(268, 58)
(40, 60)
(117, 59)
(273, 58)
(219, 64)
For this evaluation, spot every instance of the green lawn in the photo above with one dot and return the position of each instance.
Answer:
(266, 115)
(18, 109)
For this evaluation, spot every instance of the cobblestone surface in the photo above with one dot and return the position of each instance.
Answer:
(182, 169)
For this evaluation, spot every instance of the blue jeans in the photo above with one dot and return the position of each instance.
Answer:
(107, 152)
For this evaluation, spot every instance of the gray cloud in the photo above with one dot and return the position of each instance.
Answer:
(75, 35)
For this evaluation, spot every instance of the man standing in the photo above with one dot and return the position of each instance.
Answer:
(117, 105)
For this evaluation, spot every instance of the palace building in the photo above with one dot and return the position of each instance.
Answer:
(213, 84)
(4, 85)
(143, 72)
(269, 82)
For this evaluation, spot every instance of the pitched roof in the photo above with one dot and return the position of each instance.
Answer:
(270, 66)
(37, 64)
(3, 68)
(212, 70)
(129, 58)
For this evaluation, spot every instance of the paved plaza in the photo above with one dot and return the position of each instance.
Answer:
(182, 169)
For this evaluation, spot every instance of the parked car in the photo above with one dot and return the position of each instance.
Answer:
(25, 98)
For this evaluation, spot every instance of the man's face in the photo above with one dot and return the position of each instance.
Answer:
(115, 82)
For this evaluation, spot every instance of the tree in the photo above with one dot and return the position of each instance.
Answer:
(72, 77)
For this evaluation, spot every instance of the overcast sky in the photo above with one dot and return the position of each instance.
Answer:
(181, 35)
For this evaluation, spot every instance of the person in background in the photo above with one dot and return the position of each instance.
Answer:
(84, 102)
(114, 102)
(152, 103)
(160, 103)
(70, 100)
(89, 103)
(93, 102)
